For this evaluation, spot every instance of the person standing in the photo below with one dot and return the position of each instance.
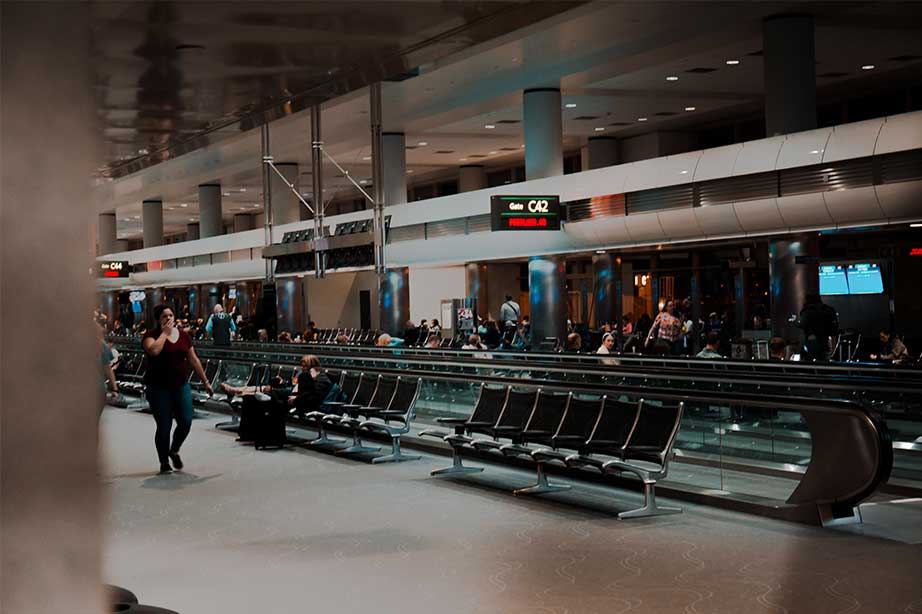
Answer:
(169, 355)
(509, 313)
(819, 322)
(667, 327)
(220, 326)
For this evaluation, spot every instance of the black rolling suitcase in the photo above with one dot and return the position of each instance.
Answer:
(250, 411)
(269, 429)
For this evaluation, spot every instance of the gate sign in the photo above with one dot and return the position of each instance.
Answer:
(114, 268)
(525, 213)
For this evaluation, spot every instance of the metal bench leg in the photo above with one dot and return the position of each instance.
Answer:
(229, 425)
(542, 486)
(357, 447)
(396, 455)
(650, 508)
(323, 440)
(456, 468)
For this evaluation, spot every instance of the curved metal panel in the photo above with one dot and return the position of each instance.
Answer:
(855, 140)
(899, 133)
(643, 175)
(900, 201)
(803, 148)
(855, 205)
(759, 215)
(677, 169)
(718, 220)
(680, 223)
(804, 210)
(717, 163)
(644, 227)
(758, 156)
(612, 231)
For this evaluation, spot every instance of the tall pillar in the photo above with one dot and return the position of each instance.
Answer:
(209, 210)
(475, 275)
(152, 222)
(604, 271)
(244, 221)
(395, 300)
(547, 297)
(193, 231)
(108, 304)
(394, 163)
(601, 151)
(790, 74)
(793, 270)
(472, 177)
(696, 299)
(211, 295)
(290, 301)
(284, 202)
(654, 287)
(244, 302)
(106, 234)
(51, 512)
(152, 298)
(543, 133)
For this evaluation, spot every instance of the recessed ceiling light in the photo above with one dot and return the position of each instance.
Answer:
(243, 190)
(183, 204)
(600, 129)
(523, 146)
(493, 153)
(815, 152)
(732, 62)
(366, 158)
(672, 78)
(462, 159)
(489, 126)
(126, 219)
(191, 219)
(689, 108)
(137, 217)
(570, 105)
(600, 251)
(362, 181)
(143, 152)
(422, 144)
(409, 171)
(867, 67)
(683, 172)
(641, 119)
(225, 193)
(916, 225)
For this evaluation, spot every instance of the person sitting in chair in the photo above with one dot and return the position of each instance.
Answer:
(313, 386)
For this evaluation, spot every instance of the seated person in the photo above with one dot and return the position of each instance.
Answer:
(284, 337)
(608, 343)
(312, 388)
(891, 348)
(386, 341)
(574, 343)
(776, 348)
(473, 343)
(342, 339)
(710, 349)
(433, 342)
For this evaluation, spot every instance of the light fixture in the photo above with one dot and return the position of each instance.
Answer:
(815, 152)
(225, 193)
(600, 251)
(672, 78)
(732, 62)
(462, 159)
(366, 158)
(570, 105)
(916, 225)
(683, 172)
(867, 67)
(422, 144)
(362, 181)
(126, 219)
(183, 204)
(409, 170)
(242, 190)
(492, 153)
(489, 126)
(600, 129)
(641, 119)
(523, 146)
(191, 219)
(689, 108)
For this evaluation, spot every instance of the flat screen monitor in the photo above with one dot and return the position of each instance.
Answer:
(864, 278)
(832, 279)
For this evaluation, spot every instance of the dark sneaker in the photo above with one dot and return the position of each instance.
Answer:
(165, 468)
(177, 462)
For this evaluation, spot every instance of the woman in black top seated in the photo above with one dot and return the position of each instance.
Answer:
(312, 388)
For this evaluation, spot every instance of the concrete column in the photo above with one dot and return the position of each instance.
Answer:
(106, 234)
(472, 177)
(284, 202)
(793, 268)
(394, 159)
(244, 221)
(547, 297)
(289, 298)
(543, 133)
(475, 275)
(790, 74)
(245, 303)
(601, 151)
(394, 302)
(108, 306)
(152, 222)
(193, 231)
(51, 510)
(152, 298)
(121, 245)
(604, 270)
(696, 298)
(209, 210)
(211, 296)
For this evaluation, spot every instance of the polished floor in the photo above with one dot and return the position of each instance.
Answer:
(241, 531)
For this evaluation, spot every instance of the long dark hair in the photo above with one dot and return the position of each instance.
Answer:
(158, 311)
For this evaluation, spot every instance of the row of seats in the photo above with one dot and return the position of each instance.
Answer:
(605, 435)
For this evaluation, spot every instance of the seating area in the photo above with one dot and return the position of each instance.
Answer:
(603, 435)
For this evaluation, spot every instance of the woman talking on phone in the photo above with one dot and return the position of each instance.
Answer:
(169, 355)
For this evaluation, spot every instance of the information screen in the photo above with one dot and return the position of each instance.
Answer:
(525, 213)
(832, 279)
(864, 278)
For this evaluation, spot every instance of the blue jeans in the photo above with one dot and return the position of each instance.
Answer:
(168, 405)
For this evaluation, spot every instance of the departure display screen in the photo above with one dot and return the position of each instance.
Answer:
(832, 279)
(864, 279)
(524, 213)
(113, 268)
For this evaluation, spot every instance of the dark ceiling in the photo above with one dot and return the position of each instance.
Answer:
(175, 76)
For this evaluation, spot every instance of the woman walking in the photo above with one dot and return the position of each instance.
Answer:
(169, 355)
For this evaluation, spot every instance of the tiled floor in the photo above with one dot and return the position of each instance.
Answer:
(302, 531)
